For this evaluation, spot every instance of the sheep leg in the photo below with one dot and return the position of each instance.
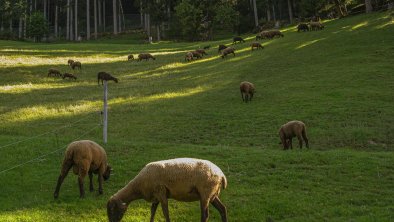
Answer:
(65, 168)
(305, 138)
(164, 207)
(221, 208)
(291, 143)
(300, 140)
(100, 180)
(204, 210)
(81, 175)
(91, 181)
(153, 211)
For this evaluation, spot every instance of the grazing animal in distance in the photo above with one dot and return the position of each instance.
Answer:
(238, 39)
(54, 72)
(247, 91)
(145, 56)
(316, 26)
(196, 54)
(226, 51)
(221, 47)
(104, 76)
(293, 129)
(302, 27)
(76, 64)
(189, 56)
(130, 57)
(201, 51)
(69, 62)
(256, 45)
(69, 75)
(85, 157)
(182, 179)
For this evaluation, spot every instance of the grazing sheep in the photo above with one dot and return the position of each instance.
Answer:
(189, 56)
(130, 57)
(302, 27)
(69, 75)
(196, 54)
(247, 91)
(271, 34)
(70, 61)
(227, 51)
(54, 72)
(207, 47)
(256, 45)
(85, 157)
(221, 47)
(145, 56)
(316, 26)
(182, 179)
(201, 51)
(238, 39)
(290, 130)
(105, 76)
(76, 64)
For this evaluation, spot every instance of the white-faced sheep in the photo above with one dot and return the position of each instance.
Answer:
(130, 57)
(226, 51)
(54, 72)
(69, 75)
(293, 129)
(85, 157)
(189, 56)
(256, 45)
(104, 76)
(76, 64)
(145, 56)
(182, 179)
(247, 91)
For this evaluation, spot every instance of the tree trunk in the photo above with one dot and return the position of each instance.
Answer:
(56, 20)
(95, 19)
(141, 14)
(88, 19)
(119, 18)
(68, 21)
(256, 18)
(20, 27)
(76, 20)
(339, 9)
(115, 16)
(71, 24)
(273, 12)
(99, 14)
(45, 9)
(104, 15)
(11, 25)
(290, 11)
(368, 6)
(122, 13)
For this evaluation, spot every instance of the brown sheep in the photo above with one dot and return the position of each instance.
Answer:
(85, 157)
(221, 47)
(316, 26)
(145, 56)
(69, 75)
(201, 51)
(69, 62)
(247, 91)
(256, 45)
(227, 51)
(290, 130)
(76, 64)
(105, 76)
(54, 72)
(196, 54)
(189, 56)
(130, 57)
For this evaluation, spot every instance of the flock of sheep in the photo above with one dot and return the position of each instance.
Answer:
(182, 179)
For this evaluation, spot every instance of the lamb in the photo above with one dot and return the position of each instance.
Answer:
(316, 26)
(227, 51)
(130, 57)
(189, 56)
(105, 76)
(69, 62)
(196, 54)
(238, 39)
(302, 27)
(256, 45)
(145, 56)
(85, 157)
(201, 51)
(221, 47)
(247, 91)
(290, 130)
(54, 72)
(69, 75)
(182, 179)
(76, 64)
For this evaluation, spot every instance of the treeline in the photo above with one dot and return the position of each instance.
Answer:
(171, 19)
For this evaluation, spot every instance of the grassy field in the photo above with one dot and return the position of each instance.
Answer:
(339, 81)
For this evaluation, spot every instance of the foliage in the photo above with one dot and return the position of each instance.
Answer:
(37, 26)
(189, 17)
(226, 16)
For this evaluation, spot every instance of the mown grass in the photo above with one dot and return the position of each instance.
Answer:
(339, 81)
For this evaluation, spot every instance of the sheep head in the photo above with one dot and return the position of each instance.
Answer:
(116, 80)
(107, 172)
(115, 209)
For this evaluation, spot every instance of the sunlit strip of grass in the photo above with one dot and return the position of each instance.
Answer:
(360, 25)
(309, 43)
(24, 88)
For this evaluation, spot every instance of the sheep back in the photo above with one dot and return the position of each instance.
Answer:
(292, 128)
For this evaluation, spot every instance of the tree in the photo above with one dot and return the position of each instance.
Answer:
(256, 18)
(368, 6)
(290, 11)
(189, 18)
(37, 26)
(115, 16)
(76, 19)
(68, 21)
(88, 19)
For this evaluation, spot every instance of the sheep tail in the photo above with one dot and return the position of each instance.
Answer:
(224, 182)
